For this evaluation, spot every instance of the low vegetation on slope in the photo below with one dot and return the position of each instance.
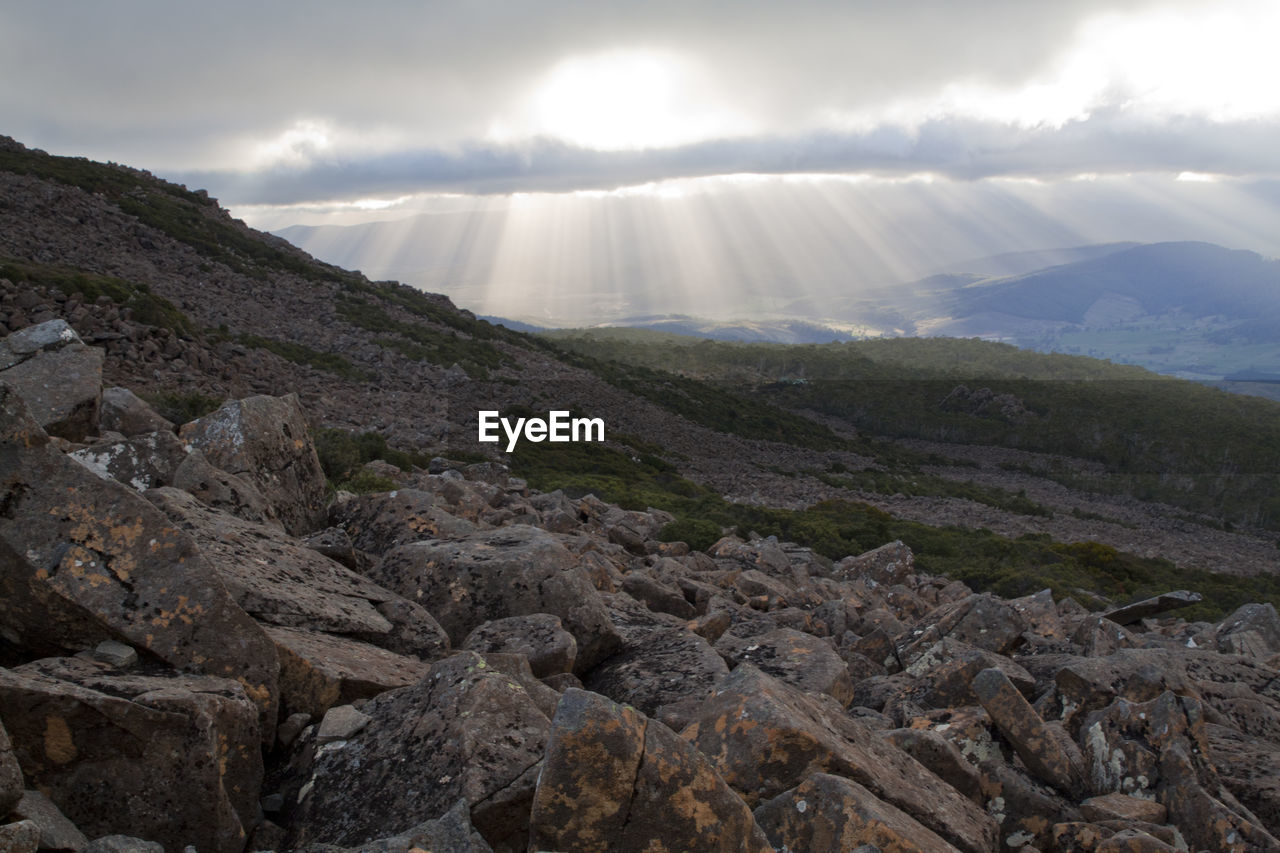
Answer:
(1150, 437)
(633, 475)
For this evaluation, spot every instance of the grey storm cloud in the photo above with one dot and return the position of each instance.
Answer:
(175, 86)
(955, 149)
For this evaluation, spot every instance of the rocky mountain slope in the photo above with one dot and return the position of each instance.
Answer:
(203, 651)
(185, 299)
(203, 645)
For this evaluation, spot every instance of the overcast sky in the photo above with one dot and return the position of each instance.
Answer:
(291, 102)
(585, 160)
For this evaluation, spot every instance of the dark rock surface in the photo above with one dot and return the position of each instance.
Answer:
(615, 780)
(181, 752)
(515, 571)
(91, 560)
(471, 729)
(540, 637)
(58, 376)
(266, 441)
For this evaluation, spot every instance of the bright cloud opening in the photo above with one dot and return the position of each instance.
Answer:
(624, 99)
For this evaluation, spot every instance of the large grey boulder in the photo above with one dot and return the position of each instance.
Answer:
(142, 462)
(319, 671)
(514, 571)
(615, 780)
(83, 559)
(173, 758)
(464, 731)
(265, 440)
(57, 374)
(280, 581)
(668, 666)
(124, 412)
(540, 637)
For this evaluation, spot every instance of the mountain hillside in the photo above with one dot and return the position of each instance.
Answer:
(262, 587)
(213, 310)
(1195, 279)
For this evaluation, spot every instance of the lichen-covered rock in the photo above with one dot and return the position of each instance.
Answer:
(1117, 806)
(174, 758)
(668, 666)
(489, 575)
(760, 555)
(57, 375)
(540, 637)
(540, 693)
(889, 564)
(318, 670)
(1041, 615)
(798, 658)
(1205, 812)
(86, 559)
(464, 731)
(765, 737)
(265, 440)
(379, 522)
(949, 667)
(220, 490)
(142, 462)
(828, 812)
(614, 780)
(941, 757)
(1042, 751)
(276, 578)
(1260, 621)
(1250, 768)
(1025, 809)
(979, 620)
(1098, 636)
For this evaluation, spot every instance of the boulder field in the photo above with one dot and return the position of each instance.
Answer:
(201, 647)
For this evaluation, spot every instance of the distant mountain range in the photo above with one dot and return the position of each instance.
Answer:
(1191, 309)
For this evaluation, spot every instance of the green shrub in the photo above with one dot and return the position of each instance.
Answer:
(418, 342)
(366, 482)
(145, 306)
(699, 533)
(329, 362)
(342, 453)
(182, 406)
